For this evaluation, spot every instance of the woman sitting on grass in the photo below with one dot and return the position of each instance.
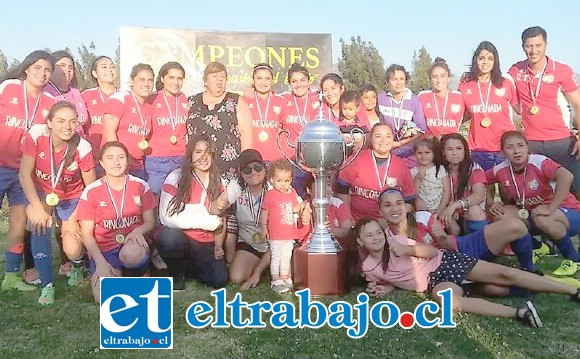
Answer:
(391, 261)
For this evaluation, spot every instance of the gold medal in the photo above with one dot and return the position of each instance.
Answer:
(52, 199)
(523, 214)
(486, 122)
(534, 110)
(119, 238)
(173, 139)
(263, 136)
(143, 144)
(257, 238)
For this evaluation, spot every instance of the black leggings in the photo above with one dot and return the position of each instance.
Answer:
(182, 253)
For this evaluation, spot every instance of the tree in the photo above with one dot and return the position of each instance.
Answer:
(84, 66)
(3, 64)
(361, 64)
(420, 74)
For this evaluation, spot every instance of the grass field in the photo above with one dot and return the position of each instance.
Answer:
(70, 329)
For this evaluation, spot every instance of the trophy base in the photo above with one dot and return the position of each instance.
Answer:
(323, 273)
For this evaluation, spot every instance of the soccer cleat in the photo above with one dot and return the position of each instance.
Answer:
(528, 315)
(47, 295)
(12, 282)
(76, 276)
(31, 276)
(567, 280)
(65, 269)
(537, 254)
(567, 268)
(279, 286)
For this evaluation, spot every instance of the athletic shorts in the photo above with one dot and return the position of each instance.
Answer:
(474, 245)
(157, 169)
(9, 184)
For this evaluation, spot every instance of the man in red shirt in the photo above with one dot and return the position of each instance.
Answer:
(544, 88)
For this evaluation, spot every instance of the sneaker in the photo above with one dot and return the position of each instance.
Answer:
(528, 315)
(65, 269)
(47, 295)
(279, 286)
(289, 284)
(537, 254)
(31, 276)
(76, 276)
(567, 268)
(13, 282)
(156, 260)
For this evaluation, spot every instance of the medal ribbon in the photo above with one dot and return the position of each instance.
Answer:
(173, 119)
(262, 118)
(255, 214)
(302, 118)
(118, 211)
(54, 179)
(485, 103)
(521, 197)
(29, 121)
(143, 122)
(384, 179)
(444, 106)
(534, 95)
(397, 121)
(203, 189)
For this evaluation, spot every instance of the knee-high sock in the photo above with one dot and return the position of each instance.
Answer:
(42, 254)
(14, 258)
(523, 250)
(566, 247)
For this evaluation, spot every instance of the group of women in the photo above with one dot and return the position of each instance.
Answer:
(129, 174)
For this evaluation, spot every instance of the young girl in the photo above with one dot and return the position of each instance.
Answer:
(397, 261)
(431, 180)
(56, 165)
(278, 223)
(368, 98)
(115, 213)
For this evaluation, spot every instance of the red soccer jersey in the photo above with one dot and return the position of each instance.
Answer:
(338, 212)
(484, 100)
(73, 96)
(281, 221)
(536, 185)
(367, 180)
(13, 121)
(552, 122)
(97, 205)
(168, 116)
(70, 184)
(477, 176)
(95, 100)
(134, 124)
(425, 221)
(297, 112)
(198, 195)
(266, 118)
(443, 115)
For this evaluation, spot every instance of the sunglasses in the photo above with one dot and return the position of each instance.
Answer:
(258, 167)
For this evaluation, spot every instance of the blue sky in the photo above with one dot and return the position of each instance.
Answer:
(447, 28)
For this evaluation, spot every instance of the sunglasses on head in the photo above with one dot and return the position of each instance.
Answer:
(258, 167)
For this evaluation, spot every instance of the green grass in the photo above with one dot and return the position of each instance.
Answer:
(70, 329)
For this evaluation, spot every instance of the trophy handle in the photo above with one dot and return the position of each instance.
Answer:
(352, 158)
(291, 145)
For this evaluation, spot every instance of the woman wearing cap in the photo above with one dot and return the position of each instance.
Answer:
(266, 108)
(538, 189)
(223, 116)
(489, 97)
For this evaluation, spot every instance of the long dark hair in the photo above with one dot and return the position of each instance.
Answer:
(465, 166)
(164, 70)
(496, 77)
(95, 64)
(177, 203)
(411, 220)
(19, 71)
(364, 253)
(73, 143)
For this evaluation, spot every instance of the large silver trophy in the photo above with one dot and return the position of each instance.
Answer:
(321, 150)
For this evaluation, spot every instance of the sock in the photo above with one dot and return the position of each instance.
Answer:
(516, 291)
(473, 226)
(566, 247)
(523, 250)
(42, 253)
(13, 258)
(77, 263)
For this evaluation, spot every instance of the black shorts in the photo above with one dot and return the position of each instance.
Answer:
(454, 268)
(560, 151)
(243, 246)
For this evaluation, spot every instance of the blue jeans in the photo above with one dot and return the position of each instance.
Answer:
(487, 159)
